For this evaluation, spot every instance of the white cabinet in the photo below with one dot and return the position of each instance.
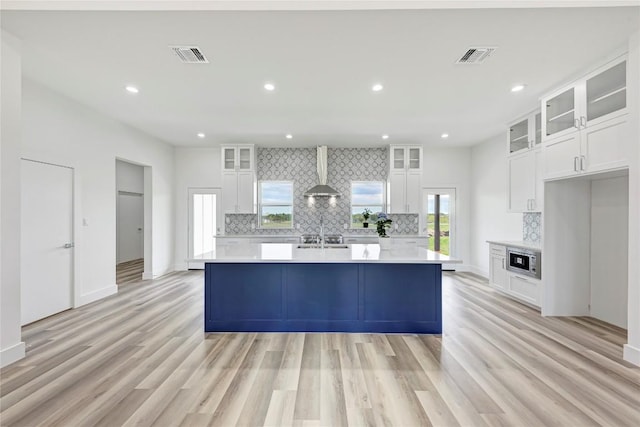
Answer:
(585, 124)
(498, 267)
(405, 175)
(238, 179)
(525, 133)
(522, 288)
(525, 182)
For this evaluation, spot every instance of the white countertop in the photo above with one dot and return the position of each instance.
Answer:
(288, 252)
(289, 236)
(517, 244)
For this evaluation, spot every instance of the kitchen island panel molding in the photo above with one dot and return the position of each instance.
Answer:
(327, 297)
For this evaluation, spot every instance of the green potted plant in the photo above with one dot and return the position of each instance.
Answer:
(366, 213)
(382, 224)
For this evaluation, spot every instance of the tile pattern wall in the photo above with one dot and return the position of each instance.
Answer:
(299, 165)
(532, 227)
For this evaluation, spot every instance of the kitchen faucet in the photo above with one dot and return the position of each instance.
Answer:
(321, 232)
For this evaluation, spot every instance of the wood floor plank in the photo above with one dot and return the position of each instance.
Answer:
(141, 358)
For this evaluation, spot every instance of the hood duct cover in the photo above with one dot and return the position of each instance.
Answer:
(322, 189)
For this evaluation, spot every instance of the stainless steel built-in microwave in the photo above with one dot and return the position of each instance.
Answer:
(524, 261)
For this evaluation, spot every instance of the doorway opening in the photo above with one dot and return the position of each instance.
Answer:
(438, 220)
(205, 219)
(130, 222)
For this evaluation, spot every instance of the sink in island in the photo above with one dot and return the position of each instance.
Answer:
(279, 287)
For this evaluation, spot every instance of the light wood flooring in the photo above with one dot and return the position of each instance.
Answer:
(141, 358)
(129, 271)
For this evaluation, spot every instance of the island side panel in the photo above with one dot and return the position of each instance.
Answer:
(316, 297)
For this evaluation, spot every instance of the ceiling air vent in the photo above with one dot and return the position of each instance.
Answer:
(189, 54)
(476, 55)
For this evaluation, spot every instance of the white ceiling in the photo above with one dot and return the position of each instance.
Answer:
(323, 64)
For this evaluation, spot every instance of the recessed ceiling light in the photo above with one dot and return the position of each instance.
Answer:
(385, 136)
(377, 87)
(517, 88)
(289, 136)
(270, 87)
(201, 135)
(444, 136)
(132, 89)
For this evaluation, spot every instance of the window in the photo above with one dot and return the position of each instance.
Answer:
(366, 195)
(276, 204)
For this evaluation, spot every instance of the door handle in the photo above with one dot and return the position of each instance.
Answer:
(504, 266)
(575, 164)
(576, 123)
(582, 159)
(583, 121)
(68, 245)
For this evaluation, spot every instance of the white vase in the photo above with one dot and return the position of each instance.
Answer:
(385, 243)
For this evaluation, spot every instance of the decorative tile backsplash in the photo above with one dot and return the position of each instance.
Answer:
(532, 227)
(299, 165)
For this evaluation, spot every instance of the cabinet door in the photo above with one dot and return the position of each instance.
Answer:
(519, 136)
(414, 162)
(398, 160)
(535, 126)
(560, 113)
(228, 159)
(397, 191)
(605, 145)
(522, 175)
(245, 192)
(498, 274)
(245, 158)
(413, 191)
(561, 156)
(606, 94)
(229, 192)
(538, 201)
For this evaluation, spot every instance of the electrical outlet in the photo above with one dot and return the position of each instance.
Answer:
(298, 226)
(395, 226)
(345, 226)
(253, 226)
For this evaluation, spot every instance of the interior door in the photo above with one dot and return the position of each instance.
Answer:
(205, 223)
(46, 239)
(130, 226)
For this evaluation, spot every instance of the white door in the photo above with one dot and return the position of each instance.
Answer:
(46, 238)
(205, 223)
(437, 221)
(130, 226)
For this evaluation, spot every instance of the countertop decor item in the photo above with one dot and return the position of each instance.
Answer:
(382, 224)
(366, 213)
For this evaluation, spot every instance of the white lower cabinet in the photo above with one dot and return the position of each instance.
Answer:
(522, 288)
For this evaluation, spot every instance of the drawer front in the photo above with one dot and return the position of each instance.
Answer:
(498, 250)
(524, 288)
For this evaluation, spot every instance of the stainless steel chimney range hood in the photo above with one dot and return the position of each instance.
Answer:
(322, 189)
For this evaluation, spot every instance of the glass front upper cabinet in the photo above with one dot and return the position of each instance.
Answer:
(607, 92)
(560, 112)
(414, 158)
(398, 157)
(519, 136)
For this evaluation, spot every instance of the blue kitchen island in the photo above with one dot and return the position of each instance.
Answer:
(357, 288)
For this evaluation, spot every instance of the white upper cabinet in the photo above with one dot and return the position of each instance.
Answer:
(585, 126)
(525, 133)
(238, 158)
(525, 182)
(600, 96)
(405, 176)
(238, 179)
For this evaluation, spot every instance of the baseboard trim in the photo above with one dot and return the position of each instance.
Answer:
(96, 295)
(183, 266)
(631, 354)
(475, 270)
(147, 275)
(12, 354)
(156, 275)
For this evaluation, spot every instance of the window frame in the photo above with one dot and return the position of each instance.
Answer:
(383, 205)
(261, 204)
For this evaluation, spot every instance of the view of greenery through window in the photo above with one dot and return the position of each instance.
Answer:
(444, 223)
(276, 204)
(366, 195)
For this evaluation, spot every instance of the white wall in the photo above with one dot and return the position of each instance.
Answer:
(488, 210)
(11, 346)
(450, 168)
(194, 168)
(609, 243)
(632, 348)
(129, 177)
(58, 130)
